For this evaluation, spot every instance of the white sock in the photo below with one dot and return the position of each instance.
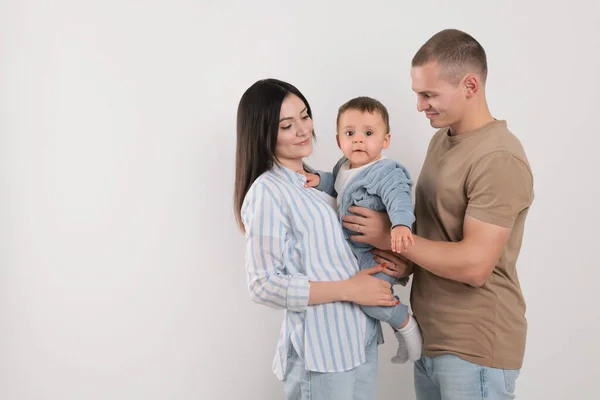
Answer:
(401, 356)
(412, 338)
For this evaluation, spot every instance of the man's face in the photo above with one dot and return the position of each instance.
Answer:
(442, 102)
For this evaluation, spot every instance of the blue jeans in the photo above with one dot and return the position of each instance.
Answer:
(448, 377)
(359, 383)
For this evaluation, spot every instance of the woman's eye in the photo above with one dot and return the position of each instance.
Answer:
(286, 127)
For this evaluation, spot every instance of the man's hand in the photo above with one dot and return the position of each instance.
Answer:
(312, 180)
(373, 226)
(402, 239)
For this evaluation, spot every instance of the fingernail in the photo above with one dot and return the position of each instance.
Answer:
(384, 265)
(397, 302)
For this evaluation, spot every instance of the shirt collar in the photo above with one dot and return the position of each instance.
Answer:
(290, 175)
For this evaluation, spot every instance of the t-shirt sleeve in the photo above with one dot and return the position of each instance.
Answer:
(499, 187)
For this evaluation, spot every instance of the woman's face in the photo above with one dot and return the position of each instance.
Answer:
(294, 137)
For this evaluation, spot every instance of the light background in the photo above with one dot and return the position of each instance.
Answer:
(121, 267)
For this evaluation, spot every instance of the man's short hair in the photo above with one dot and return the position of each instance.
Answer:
(456, 52)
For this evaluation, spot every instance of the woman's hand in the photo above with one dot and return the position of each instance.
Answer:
(397, 266)
(367, 290)
(373, 227)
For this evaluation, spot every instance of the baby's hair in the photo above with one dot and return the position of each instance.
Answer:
(365, 104)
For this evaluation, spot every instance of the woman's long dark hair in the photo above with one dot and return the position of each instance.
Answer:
(257, 127)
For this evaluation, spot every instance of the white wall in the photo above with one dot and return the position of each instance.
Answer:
(121, 268)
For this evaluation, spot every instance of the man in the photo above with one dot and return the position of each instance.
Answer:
(472, 198)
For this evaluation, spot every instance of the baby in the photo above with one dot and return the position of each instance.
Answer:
(363, 177)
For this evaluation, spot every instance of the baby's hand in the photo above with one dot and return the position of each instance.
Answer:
(312, 180)
(402, 239)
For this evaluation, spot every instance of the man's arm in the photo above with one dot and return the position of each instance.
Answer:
(470, 261)
(499, 188)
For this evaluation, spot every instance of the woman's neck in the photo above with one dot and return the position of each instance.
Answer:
(294, 165)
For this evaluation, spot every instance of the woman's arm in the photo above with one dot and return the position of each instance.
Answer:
(270, 282)
(362, 289)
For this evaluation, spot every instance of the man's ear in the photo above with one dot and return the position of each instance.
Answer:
(386, 140)
(471, 85)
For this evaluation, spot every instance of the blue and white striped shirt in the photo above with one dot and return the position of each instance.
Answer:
(294, 236)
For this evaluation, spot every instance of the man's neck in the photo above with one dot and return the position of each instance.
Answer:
(473, 119)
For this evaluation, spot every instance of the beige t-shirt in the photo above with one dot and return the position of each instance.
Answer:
(485, 174)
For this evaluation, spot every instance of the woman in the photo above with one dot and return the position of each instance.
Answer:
(296, 255)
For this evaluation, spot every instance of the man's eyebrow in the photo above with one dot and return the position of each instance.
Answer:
(425, 92)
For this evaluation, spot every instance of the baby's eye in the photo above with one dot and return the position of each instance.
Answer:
(349, 133)
(368, 133)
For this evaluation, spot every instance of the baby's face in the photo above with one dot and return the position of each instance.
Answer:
(361, 136)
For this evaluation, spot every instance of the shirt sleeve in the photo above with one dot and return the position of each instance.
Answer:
(266, 227)
(395, 190)
(498, 188)
(326, 183)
